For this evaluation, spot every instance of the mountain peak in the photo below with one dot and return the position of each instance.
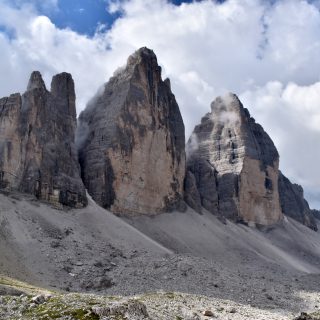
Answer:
(36, 81)
(142, 58)
(226, 103)
(142, 54)
(236, 160)
(49, 169)
(136, 131)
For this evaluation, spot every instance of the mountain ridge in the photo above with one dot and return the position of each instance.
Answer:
(246, 246)
(124, 121)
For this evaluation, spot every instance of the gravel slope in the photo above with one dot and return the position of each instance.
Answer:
(261, 273)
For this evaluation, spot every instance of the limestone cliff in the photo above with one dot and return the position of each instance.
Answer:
(233, 164)
(132, 143)
(37, 150)
(293, 203)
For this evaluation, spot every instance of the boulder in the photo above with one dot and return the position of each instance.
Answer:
(126, 309)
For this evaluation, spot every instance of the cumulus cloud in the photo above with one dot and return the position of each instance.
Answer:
(37, 44)
(266, 52)
(291, 116)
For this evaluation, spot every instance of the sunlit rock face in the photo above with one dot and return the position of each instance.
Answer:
(234, 165)
(37, 149)
(132, 143)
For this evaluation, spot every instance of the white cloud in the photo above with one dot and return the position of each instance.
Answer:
(291, 116)
(267, 54)
(39, 45)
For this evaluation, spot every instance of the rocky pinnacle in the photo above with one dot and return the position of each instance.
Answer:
(233, 164)
(37, 149)
(132, 143)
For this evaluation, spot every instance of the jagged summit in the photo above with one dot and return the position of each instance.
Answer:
(36, 81)
(133, 152)
(233, 164)
(232, 169)
(37, 149)
(229, 112)
(142, 61)
(62, 88)
(142, 56)
(228, 101)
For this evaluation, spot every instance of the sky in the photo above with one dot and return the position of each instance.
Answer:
(267, 52)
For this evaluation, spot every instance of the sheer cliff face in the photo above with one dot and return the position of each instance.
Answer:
(239, 165)
(293, 203)
(37, 150)
(132, 143)
(10, 141)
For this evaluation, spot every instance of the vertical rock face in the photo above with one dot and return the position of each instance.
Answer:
(37, 150)
(316, 214)
(10, 141)
(132, 143)
(234, 165)
(201, 188)
(293, 203)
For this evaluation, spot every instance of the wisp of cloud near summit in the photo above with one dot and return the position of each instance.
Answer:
(266, 52)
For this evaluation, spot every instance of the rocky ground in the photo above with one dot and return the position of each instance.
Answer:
(162, 306)
(178, 270)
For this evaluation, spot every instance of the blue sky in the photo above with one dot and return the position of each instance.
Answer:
(82, 16)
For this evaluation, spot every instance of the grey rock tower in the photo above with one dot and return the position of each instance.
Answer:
(37, 149)
(132, 149)
(233, 164)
